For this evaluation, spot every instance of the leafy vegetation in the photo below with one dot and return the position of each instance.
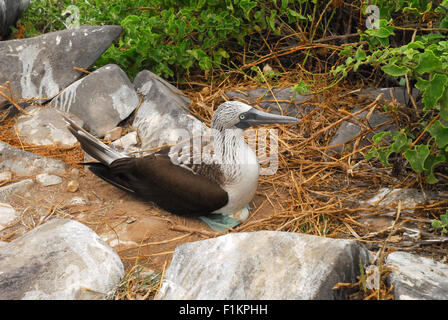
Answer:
(423, 61)
(174, 38)
(442, 223)
(169, 36)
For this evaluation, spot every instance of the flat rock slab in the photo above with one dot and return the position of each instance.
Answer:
(350, 129)
(290, 102)
(42, 66)
(417, 278)
(262, 265)
(10, 11)
(61, 259)
(7, 214)
(409, 197)
(102, 99)
(400, 94)
(48, 179)
(24, 163)
(45, 126)
(14, 188)
(163, 116)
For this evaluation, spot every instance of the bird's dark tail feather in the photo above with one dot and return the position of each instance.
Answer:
(104, 172)
(92, 145)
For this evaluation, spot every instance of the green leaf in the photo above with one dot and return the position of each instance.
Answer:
(401, 143)
(431, 162)
(439, 133)
(432, 90)
(444, 219)
(416, 45)
(247, 6)
(394, 70)
(436, 224)
(417, 157)
(296, 14)
(360, 54)
(302, 88)
(444, 105)
(427, 62)
(379, 136)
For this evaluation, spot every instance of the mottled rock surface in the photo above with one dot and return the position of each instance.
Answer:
(262, 265)
(102, 99)
(48, 179)
(45, 126)
(400, 94)
(417, 278)
(61, 259)
(42, 66)
(350, 129)
(14, 188)
(7, 214)
(163, 116)
(24, 163)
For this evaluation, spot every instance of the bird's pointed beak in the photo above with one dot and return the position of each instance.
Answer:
(255, 117)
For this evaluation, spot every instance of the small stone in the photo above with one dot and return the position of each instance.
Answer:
(113, 134)
(74, 172)
(48, 179)
(267, 68)
(72, 186)
(128, 140)
(77, 200)
(131, 220)
(5, 176)
(7, 214)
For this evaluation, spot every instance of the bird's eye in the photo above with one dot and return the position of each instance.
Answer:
(242, 117)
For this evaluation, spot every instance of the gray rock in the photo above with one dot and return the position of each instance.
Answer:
(61, 259)
(113, 134)
(163, 116)
(350, 129)
(399, 93)
(126, 143)
(102, 99)
(409, 197)
(13, 188)
(417, 278)
(290, 102)
(262, 265)
(5, 176)
(42, 66)
(7, 214)
(48, 179)
(45, 126)
(23, 163)
(10, 11)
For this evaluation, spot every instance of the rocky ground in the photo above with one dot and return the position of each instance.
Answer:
(327, 225)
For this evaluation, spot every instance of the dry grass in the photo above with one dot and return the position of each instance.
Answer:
(313, 192)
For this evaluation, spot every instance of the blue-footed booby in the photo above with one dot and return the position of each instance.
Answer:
(216, 185)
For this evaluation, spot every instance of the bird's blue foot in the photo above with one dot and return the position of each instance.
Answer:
(221, 223)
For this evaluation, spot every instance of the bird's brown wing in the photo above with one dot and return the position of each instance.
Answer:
(172, 187)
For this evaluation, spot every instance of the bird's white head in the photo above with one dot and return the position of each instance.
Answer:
(238, 115)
